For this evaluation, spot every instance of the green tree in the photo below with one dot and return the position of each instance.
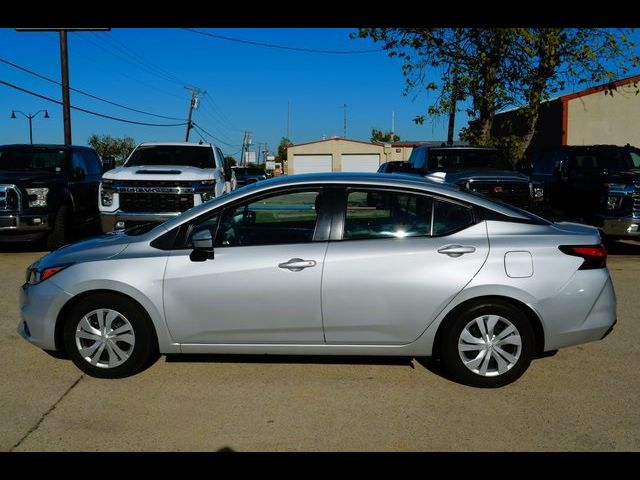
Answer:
(232, 161)
(495, 68)
(282, 149)
(106, 145)
(380, 136)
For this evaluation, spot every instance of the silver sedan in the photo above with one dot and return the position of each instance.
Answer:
(328, 264)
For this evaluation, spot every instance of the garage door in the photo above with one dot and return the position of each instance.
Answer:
(360, 162)
(311, 163)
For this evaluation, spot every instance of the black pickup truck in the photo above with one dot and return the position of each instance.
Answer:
(47, 192)
(479, 169)
(594, 184)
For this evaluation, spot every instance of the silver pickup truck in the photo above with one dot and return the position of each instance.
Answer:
(161, 180)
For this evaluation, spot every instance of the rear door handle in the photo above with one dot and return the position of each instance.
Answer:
(456, 250)
(297, 264)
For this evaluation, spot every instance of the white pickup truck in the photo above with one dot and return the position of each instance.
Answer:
(161, 180)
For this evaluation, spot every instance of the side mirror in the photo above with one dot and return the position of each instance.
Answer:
(202, 246)
(561, 170)
(202, 240)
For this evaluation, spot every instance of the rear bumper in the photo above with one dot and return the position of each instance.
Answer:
(108, 220)
(570, 320)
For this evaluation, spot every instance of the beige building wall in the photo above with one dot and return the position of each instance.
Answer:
(338, 147)
(604, 119)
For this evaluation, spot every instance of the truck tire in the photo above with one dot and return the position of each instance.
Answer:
(59, 235)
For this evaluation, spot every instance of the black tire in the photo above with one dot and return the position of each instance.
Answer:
(60, 235)
(139, 348)
(506, 314)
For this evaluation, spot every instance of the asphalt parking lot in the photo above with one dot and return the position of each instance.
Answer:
(584, 398)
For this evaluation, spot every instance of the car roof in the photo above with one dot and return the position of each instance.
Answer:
(175, 144)
(37, 146)
(454, 147)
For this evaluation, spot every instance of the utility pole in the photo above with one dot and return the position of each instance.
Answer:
(393, 124)
(288, 118)
(64, 65)
(345, 120)
(192, 104)
(66, 102)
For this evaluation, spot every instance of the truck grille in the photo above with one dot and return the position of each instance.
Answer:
(517, 194)
(9, 198)
(153, 202)
(636, 201)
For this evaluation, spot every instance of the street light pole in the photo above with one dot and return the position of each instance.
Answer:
(30, 117)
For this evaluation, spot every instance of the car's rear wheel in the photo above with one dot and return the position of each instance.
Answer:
(488, 345)
(109, 336)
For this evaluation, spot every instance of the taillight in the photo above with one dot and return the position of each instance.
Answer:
(595, 256)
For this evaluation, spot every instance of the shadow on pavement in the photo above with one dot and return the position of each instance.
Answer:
(627, 247)
(291, 359)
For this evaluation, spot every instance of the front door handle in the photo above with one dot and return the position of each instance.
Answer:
(297, 264)
(456, 250)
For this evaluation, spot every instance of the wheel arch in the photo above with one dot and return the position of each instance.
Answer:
(73, 301)
(530, 314)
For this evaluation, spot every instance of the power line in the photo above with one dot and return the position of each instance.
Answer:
(195, 125)
(218, 111)
(137, 63)
(101, 66)
(31, 72)
(282, 47)
(132, 53)
(91, 112)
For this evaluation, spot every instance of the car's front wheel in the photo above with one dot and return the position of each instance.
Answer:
(487, 345)
(109, 336)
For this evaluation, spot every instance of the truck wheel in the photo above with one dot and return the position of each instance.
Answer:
(59, 236)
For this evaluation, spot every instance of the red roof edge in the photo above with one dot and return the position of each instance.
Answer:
(332, 139)
(599, 88)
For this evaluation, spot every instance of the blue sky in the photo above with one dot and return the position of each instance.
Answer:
(247, 86)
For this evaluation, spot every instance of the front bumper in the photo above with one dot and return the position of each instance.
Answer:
(108, 220)
(39, 308)
(625, 227)
(19, 226)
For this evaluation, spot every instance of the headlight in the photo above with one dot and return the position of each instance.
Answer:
(208, 182)
(538, 193)
(37, 197)
(35, 275)
(106, 197)
(616, 186)
(613, 202)
(206, 196)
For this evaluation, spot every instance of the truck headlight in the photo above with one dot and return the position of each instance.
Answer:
(37, 197)
(613, 202)
(538, 193)
(106, 198)
(206, 196)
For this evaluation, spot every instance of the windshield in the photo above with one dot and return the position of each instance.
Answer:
(26, 159)
(616, 159)
(182, 155)
(454, 159)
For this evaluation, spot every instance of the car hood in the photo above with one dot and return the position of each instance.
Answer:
(481, 174)
(626, 176)
(34, 178)
(160, 173)
(97, 248)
